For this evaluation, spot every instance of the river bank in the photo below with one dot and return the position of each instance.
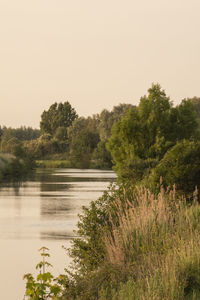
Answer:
(137, 245)
(64, 163)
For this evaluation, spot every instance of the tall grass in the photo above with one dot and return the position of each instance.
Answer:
(54, 164)
(155, 241)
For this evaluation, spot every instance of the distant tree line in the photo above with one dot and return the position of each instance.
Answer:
(145, 143)
(81, 141)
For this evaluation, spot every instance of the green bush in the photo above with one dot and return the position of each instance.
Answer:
(135, 245)
(179, 166)
(14, 167)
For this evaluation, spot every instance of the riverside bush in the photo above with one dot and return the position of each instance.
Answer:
(150, 249)
(136, 245)
(14, 167)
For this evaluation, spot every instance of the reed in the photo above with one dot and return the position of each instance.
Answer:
(156, 242)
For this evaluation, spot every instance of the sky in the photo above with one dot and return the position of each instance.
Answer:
(94, 54)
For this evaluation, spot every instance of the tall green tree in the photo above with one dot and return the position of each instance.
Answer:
(196, 102)
(142, 137)
(83, 139)
(108, 118)
(101, 156)
(180, 166)
(59, 115)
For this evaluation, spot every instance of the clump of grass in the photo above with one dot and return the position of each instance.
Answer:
(53, 164)
(156, 242)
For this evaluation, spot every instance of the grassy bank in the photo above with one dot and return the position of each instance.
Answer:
(149, 250)
(54, 164)
(64, 163)
(133, 245)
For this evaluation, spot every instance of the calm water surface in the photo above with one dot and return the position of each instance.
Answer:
(42, 212)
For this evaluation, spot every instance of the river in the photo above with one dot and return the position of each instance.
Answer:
(42, 212)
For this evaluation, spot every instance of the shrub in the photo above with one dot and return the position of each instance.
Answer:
(180, 166)
(149, 248)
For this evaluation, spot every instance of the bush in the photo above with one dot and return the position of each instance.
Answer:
(179, 166)
(14, 167)
(136, 245)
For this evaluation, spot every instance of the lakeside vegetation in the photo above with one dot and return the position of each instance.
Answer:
(148, 248)
(132, 245)
(105, 139)
(64, 139)
(52, 163)
(141, 239)
(15, 167)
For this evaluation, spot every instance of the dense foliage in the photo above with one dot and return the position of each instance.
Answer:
(22, 134)
(142, 138)
(133, 244)
(83, 139)
(181, 166)
(64, 139)
(57, 118)
(15, 161)
(138, 241)
(14, 167)
(80, 142)
(134, 139)
(149, 248)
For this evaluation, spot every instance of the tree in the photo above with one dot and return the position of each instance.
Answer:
(142, 137)
(180, 166)
(58, 115)
(184, 121)
(196, 102)
(108, 118)
(1, 133)
(101, 156)
(9, 145)
(61, 134)
(22, 134)
(83, 139)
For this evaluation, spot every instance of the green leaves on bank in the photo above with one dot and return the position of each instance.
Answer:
(45, 285)
(142, 138)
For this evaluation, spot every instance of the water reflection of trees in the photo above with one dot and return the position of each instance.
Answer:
(51, 177)
(61, 196)
(54, 198)
(57, 207)
(57, 235)
(54, 186)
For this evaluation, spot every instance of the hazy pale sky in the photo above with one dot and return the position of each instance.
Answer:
(94, 54)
